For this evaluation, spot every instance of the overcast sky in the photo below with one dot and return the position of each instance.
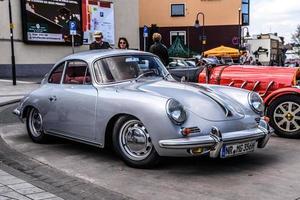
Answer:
(281, 16)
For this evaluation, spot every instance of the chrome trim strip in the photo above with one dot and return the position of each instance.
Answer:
(244, 84)
(255, 85)
(56, 134)
(267, 89)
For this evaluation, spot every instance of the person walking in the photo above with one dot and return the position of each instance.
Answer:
(123, 43)
(99, 43)
(159, 49)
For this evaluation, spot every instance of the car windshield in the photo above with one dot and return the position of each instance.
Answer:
(120, 68)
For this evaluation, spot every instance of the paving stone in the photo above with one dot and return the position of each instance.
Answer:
(11, 181)
(42, 195)
(20, 186)
(4, 198)
(2, 173)
(5, 189)
(32, 190)
(15, 195)
(55, 198)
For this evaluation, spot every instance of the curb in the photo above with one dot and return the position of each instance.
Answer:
(51, 179)
(10, 102)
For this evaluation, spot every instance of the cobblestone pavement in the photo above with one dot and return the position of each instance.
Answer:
(42, 176)
(12, 187)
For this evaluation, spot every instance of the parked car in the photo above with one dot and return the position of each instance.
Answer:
(180, 67)
(278, 86)
(128, 98)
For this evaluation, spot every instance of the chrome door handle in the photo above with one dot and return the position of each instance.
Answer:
(53, 98)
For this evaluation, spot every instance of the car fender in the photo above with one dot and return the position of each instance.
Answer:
(281, 92)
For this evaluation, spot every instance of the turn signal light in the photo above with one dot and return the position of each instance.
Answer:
(267, 119)
(186, 131)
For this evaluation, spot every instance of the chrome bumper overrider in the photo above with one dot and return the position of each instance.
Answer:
(215, 140)
(17, 112)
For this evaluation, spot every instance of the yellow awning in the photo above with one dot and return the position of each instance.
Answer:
(222, 51)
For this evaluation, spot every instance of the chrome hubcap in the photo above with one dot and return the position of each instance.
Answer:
(135, 140)
(36, 123)
(287, 116)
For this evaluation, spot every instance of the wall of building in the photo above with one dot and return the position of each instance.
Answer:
(217, 12)
(35, 60)
(221, 22)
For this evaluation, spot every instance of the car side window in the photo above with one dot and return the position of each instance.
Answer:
(56, 74)
(77, 72)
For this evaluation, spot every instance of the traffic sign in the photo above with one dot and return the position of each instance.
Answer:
(146, 31)
(73, 27)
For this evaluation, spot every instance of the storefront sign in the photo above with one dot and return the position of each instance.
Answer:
(98, 17)
(48, 21)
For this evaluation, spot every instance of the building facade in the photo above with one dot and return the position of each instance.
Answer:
(220, 22)
(34, 59)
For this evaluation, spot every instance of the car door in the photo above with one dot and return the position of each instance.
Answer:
(74, 102)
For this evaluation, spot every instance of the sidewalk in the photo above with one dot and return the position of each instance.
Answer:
(15, 188)
(10, 93)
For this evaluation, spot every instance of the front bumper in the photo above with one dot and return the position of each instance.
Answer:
(215, 140)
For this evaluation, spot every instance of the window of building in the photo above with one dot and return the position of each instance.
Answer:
(175, 34)
(177, 10)
(245, 12)
(56, 74)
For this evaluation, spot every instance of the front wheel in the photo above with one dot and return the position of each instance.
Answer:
(284, 114)
(132, 142)
(34, 123)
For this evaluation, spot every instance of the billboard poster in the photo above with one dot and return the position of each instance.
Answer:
(47, 21)
(98, 16)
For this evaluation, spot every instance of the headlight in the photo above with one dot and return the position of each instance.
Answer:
(175, 112)
(256, 103)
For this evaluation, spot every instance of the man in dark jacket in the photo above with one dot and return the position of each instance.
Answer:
(99, 43)
(159, 49)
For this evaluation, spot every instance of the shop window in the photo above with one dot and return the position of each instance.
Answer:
(175, 34)
(177, 10)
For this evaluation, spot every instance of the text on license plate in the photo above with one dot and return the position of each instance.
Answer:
(229, 150)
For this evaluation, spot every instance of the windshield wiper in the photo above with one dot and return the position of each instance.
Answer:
(150, 71)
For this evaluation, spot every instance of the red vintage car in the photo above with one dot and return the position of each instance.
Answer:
(278, 86)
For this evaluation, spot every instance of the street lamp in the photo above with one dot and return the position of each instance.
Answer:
(239, 29)
(197, 25)
(11, 26)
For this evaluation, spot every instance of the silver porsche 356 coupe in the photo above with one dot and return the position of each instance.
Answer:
(128, 99)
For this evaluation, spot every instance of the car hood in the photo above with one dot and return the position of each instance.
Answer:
(283, 75)
(199, 99)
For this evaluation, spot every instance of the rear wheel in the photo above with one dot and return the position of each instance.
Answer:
(284, 114)
(132, 142)
(34, 123)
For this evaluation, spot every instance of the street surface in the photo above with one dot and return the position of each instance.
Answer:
(270, 173)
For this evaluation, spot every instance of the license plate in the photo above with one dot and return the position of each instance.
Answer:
(230, 150)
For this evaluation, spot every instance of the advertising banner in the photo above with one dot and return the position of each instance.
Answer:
(48, 21)
(98, 17)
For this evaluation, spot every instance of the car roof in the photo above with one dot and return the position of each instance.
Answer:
(91, 55)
